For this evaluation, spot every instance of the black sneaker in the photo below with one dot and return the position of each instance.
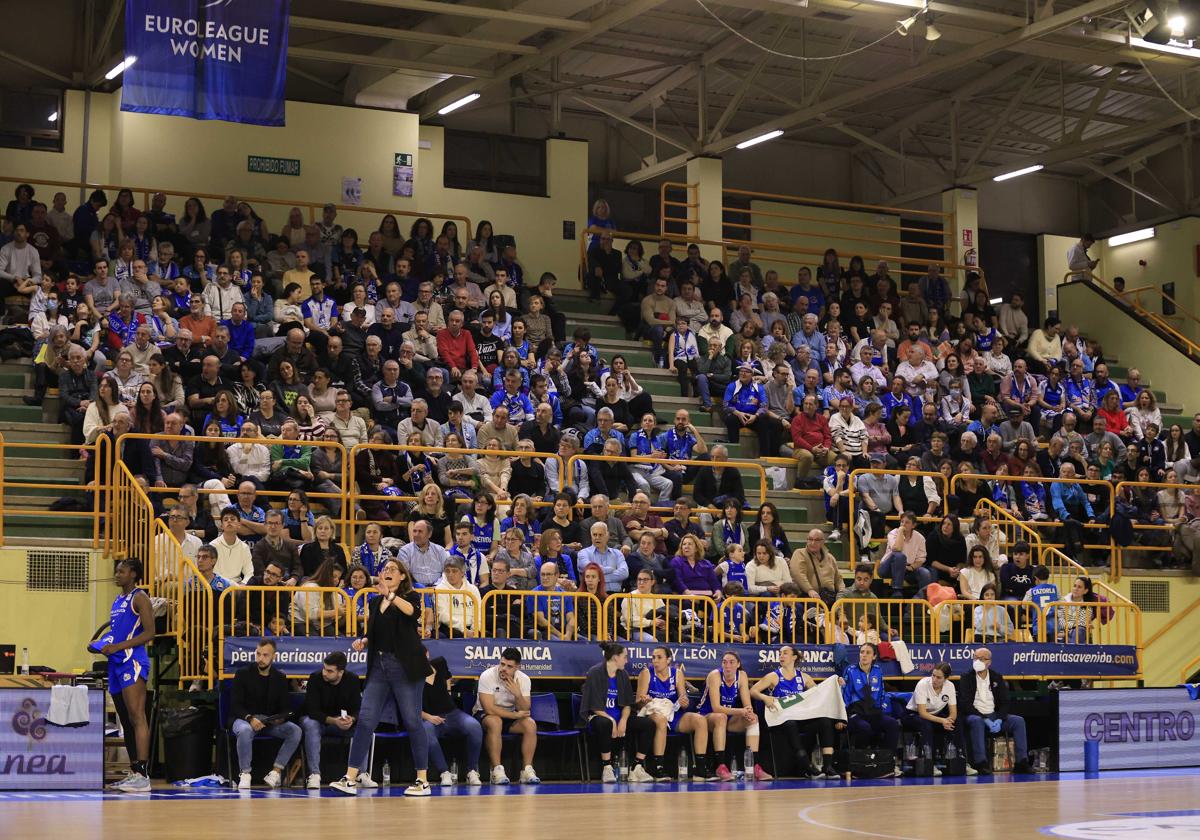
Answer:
(983, 768)
(1022, 768)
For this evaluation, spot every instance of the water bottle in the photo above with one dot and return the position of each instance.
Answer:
(748, 763)
(910, 751)
(387, 774)
(927, 752)
(683, 765)
(623, 766)
(951, 750)
(25, 661)
(454, 770)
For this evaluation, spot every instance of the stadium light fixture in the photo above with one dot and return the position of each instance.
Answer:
(53, 117)
(1019, 172)
(458, 103)
(762, 138)
(121, 67)
(1132, 236)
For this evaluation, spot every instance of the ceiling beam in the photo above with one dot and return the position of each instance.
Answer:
(735, 102)
(314, 78)
(944, 64)
(1001, 121)
(389, 33)
(480, 12)
(632, 123)
(1098, 98)
(1138, 156)
(365, 60)
(555, 47)
(1136, 190)
(106, 33)
(36, 68)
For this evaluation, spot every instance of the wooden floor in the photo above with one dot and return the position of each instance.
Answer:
(894, 810)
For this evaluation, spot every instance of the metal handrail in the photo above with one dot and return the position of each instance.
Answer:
(850, 205)
(341, 615)
(623, 629)
(1188, 669)
(1189, 346)
(190, 614)
(646, 459)
(1120, 549)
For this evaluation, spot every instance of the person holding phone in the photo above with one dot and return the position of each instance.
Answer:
(397, 665)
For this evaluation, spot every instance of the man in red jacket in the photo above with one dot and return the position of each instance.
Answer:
(456, 347)
(811, 441)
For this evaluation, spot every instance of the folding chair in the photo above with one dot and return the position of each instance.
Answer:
(224, 705)
(543, 708)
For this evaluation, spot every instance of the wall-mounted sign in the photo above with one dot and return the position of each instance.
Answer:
(352, 191)
(968, 236)
(402, 174)
(273, 165)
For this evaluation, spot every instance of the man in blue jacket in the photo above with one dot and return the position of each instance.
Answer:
(745, 407)
(1072, 509)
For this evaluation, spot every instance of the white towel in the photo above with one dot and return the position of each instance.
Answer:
(903, 657)
(823, 701)
(68, 706)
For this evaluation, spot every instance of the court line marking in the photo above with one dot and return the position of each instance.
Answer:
(805, 815)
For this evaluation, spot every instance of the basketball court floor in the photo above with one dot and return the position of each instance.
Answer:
(1144, 804)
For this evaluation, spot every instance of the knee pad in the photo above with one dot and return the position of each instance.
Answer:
(752, 730)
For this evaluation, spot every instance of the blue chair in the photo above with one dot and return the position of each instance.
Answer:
(543, 708)
(225, 703)
(576, 703)
(388, 716)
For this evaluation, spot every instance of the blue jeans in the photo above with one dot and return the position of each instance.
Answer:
(387, 680)
(704, 388)
(314, 731)
(1013, 725)
(289, 733)
(458, 723)
(896, 567)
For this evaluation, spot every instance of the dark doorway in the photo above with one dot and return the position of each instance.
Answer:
(1010, 261)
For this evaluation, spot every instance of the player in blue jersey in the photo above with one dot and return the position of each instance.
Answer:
(726, 707)
(786, 681)
(131, 627)
(664, 681)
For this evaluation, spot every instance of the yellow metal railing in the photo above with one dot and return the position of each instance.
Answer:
(753, 466)
(251, 611)
(314, 208)
(1189, 669)
(634, 616)
(131, 524)
(526, 614)
(982, 621)
(1145, 527)
(894, 516)
(98, 453)
(898, 618)
(190, 612)
(778, 620)
(1132, 299)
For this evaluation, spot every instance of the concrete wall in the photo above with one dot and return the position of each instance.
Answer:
(1052, 266)
(1170, 652)
(849, 232)
(55, 626)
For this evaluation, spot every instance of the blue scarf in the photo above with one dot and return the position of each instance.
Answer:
(291, 452)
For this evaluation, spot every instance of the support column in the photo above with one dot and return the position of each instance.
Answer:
(962, 233)
(706, 174)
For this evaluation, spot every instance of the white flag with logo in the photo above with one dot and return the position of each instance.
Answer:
(822, 701)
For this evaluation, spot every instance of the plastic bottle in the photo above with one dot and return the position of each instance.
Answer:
(951, 750)
(748, 763)
(683, 765)
(623, 766)
(25, 661)
(387, 774)
(454, 770)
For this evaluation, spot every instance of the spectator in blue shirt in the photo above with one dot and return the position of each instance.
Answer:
(241, 332)
(610, 560)
(553, 617)
(868, 705)
(745, 408)
(520, 409)
(1072, 508)
(810, 335)
(593, 442)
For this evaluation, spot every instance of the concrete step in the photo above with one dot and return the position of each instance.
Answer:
(23, 540)
(34, 433)
(30, 525)
(43, 469)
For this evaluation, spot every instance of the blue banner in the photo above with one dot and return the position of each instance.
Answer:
(565, 660)
(207, 59)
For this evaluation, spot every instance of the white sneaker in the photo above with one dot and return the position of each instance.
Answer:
(608, 775)
(244, 781)
(529, 776)
(273, 779)
(365, 781)
(418, 788)
(499, 777)
(136, 783)
(345, 786)
(473, 778)
(971, 771)
(314, 781)
(639, 774)
(448, 779)
(937, 771)
(834, 535)
(117, 785)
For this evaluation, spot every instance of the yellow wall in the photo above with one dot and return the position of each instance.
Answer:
(1052, 266)
(331, 142)
(1170, 257)
(55, 626)
(1163, 660)
(846, 239)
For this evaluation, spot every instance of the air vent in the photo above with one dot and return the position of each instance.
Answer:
(1151, 595)
(824, 15)
(57, 571)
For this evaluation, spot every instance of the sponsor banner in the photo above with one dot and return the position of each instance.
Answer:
(1136, 728)
(471, 657)
(206, 59)
(35, 755)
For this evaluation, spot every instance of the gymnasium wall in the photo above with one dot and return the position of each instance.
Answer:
(1052, 266)
(1164, 658)
(847, 239)
(55, 626)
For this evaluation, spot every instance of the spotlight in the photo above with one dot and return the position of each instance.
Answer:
(907, 24)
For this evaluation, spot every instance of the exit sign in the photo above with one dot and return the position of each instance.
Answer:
(273, 165)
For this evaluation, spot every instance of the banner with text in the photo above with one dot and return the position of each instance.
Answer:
(299, 656)
(35, 755)
(222, 60)
(1136, 728)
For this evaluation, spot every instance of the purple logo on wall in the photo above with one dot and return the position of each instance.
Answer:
(28, 721)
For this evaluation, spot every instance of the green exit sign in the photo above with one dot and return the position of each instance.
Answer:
(273, 165)
(401, 159)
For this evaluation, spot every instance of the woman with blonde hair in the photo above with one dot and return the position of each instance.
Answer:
(431, 506)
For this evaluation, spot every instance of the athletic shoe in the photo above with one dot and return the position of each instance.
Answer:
(723, 773)
(136, 783)
(608, 775)
(345, 786)
(830, 773)
(971, 771)
(897, 772)
(120, 782)
(1022, 768)
(499, 777)
(473, 778)
(418, 788)
(365, 781)
(314, 781)
(983, 768)
(815, 772)
(761, 775)
(272, 779)
(937, 771)
(661, 775)
(448, 779)
(639, 774)
(834, 535)
(244, 781)
(529, 776)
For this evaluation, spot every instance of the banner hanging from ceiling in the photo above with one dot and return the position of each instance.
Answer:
(206, 59)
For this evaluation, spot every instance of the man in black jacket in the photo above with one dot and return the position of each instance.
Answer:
(259, 703)
(718, 481)
(77, 388)
(983, 697)
(331, 704)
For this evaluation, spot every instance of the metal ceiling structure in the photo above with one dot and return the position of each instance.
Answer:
(1008, 83)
